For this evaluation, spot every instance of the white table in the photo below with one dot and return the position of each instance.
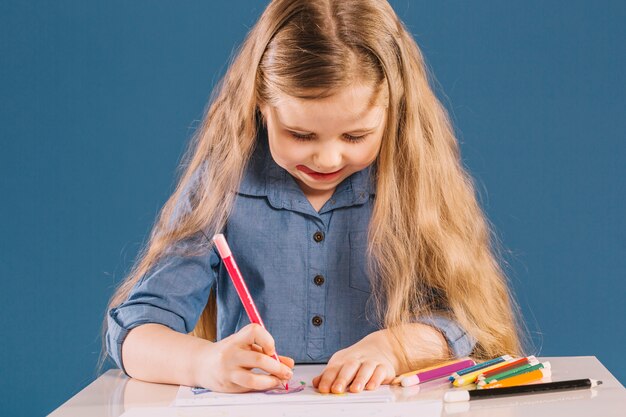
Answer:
(113, 393)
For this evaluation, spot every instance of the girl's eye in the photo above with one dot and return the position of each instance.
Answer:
(309, 136)
(299, 136)
(354, 139)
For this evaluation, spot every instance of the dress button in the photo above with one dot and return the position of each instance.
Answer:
(318, 236)
(318, 280)
(317, 321)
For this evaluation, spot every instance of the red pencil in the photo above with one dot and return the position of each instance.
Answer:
(240, 285)
(506, 367)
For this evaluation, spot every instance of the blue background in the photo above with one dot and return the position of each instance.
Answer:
(98, 101)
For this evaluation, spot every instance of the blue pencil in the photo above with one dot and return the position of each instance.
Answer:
(479, 366)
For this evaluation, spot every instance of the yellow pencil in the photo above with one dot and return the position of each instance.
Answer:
(472, 376)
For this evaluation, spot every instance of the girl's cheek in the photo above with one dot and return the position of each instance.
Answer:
(289, 156)
(365, 156)
(296, 152)
(283, 149)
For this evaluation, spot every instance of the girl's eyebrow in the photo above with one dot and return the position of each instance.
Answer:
(359, 130)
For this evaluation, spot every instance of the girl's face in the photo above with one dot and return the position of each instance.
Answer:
(321, 142)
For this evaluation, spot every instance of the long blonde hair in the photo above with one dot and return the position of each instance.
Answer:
(428, 237)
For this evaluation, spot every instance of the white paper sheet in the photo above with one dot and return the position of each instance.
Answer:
(427, 408)
(305, 373)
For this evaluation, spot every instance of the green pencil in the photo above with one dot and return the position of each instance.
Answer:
(514, 372)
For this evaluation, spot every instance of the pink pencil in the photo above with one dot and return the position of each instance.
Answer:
(240, 285)
(436, 373)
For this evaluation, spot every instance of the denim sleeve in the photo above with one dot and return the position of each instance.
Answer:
(173, 294)
(461, 344)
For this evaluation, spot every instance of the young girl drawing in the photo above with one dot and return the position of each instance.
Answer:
(334, 173)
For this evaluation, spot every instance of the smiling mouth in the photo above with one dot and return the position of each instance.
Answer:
(319, 175)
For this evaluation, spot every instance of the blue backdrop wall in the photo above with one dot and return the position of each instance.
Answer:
(98, 100)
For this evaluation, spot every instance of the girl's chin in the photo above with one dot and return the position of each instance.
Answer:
(316, 186)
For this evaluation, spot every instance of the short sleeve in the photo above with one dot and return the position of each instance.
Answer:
(173, 294)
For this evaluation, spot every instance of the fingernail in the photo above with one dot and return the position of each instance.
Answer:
(339, 388)
(357, 387)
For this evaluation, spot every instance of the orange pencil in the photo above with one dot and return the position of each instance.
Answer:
(522, 379)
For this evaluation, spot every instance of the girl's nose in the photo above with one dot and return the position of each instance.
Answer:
(328, 158)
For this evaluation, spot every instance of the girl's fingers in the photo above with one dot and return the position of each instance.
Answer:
(249, 359)
(363, 376)
(287, 361)
(327, 378)
(284, 359)
(377, 378)
(345, 376)
(255, 334)
(256, 382)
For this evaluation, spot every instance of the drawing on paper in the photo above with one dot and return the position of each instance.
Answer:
(291, 390)
(199, 390)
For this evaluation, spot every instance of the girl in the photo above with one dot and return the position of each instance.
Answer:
(332, 169)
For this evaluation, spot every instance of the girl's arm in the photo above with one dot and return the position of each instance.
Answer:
(429, 344)
(156, 353)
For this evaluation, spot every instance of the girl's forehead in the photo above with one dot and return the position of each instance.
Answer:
(353, 104)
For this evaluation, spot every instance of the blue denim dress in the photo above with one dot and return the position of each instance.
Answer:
(306, 271)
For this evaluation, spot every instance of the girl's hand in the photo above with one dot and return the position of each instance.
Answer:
(365, 365)
(226, 366)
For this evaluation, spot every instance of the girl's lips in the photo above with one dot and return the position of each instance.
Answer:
(323, 176)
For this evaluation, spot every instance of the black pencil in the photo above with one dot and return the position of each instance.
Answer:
(466, 395)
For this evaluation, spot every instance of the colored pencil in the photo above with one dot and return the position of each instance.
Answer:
(514, 372)
(507, 366)
(479, 366)
(399, 378)
(466, 395)
(509, 370)
(436, 373)
(521, 379)
(470, 378)
(240, 285)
